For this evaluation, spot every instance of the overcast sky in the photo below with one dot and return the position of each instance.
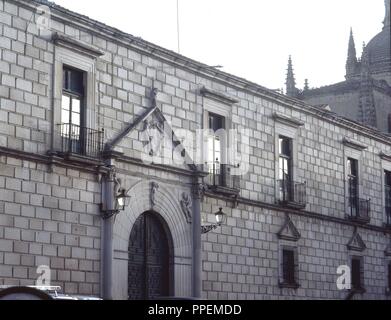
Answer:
(250, 38)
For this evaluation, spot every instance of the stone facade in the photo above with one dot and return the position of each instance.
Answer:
(50, 203)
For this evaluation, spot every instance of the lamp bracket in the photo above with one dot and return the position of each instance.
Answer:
(208, 228)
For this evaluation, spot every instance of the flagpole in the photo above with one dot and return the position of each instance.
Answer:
(177, 16)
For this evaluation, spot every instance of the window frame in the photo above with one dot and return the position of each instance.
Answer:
(356, 155)
(72, 95)
(64, 56)
(361, 288)
(385, 166)
(290, 132)
(211, 106)
(287, 157)
(282, 281)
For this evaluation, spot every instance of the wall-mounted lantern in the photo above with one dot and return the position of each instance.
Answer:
(115, 198)
(221, 218)
(122, 200)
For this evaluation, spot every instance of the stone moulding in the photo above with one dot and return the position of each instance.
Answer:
(356, 243)
(353, 144)
(385, 156)
(288, 231)
(76, 45)
(219, 96)
(293, 122)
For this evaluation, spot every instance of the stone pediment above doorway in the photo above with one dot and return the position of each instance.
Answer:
(150, 138)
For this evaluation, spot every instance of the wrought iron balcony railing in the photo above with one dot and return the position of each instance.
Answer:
(222, 179)
(80, 140)
(292, 194)
(359, 209)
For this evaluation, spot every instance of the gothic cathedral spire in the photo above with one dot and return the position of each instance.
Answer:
(387, 19)
(291, 89)
(351, 62)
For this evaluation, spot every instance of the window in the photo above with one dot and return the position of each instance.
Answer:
(389, 276)
(75, 114)
(288, 268)
(387, 195)
(216, 149)
(285, 160)
(356, 273)
(288, 262)
(352, 171)
(215, 141)
(72, 97)
(285, 169)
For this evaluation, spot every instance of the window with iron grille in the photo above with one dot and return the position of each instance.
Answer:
(357, 273)
(76, 138)
(387, 195)
(352, 170)
(288, 267)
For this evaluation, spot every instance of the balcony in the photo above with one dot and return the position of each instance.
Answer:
(359, 209)
(292, 194)
(221, 180)
(75, 141)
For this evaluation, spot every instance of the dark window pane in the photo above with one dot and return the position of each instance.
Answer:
(285, 161)
(285, 146)
(352, 166)
(288, 265)
(73, 81)
(387, 178)
(216, 122)
(356, 273)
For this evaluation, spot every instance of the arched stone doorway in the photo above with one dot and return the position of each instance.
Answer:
(150, 258)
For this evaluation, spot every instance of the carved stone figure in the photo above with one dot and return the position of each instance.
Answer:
(199, 190)
(154, 188)
(186, 205)
(153, 130)
(153, 97)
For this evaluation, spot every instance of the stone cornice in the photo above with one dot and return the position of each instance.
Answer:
(218, 96)
(171, 169)
(293, 122)
(353, 144)
(76, 45)
(385, 156)
(46, 159)
(49, 159)
(303, 213)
